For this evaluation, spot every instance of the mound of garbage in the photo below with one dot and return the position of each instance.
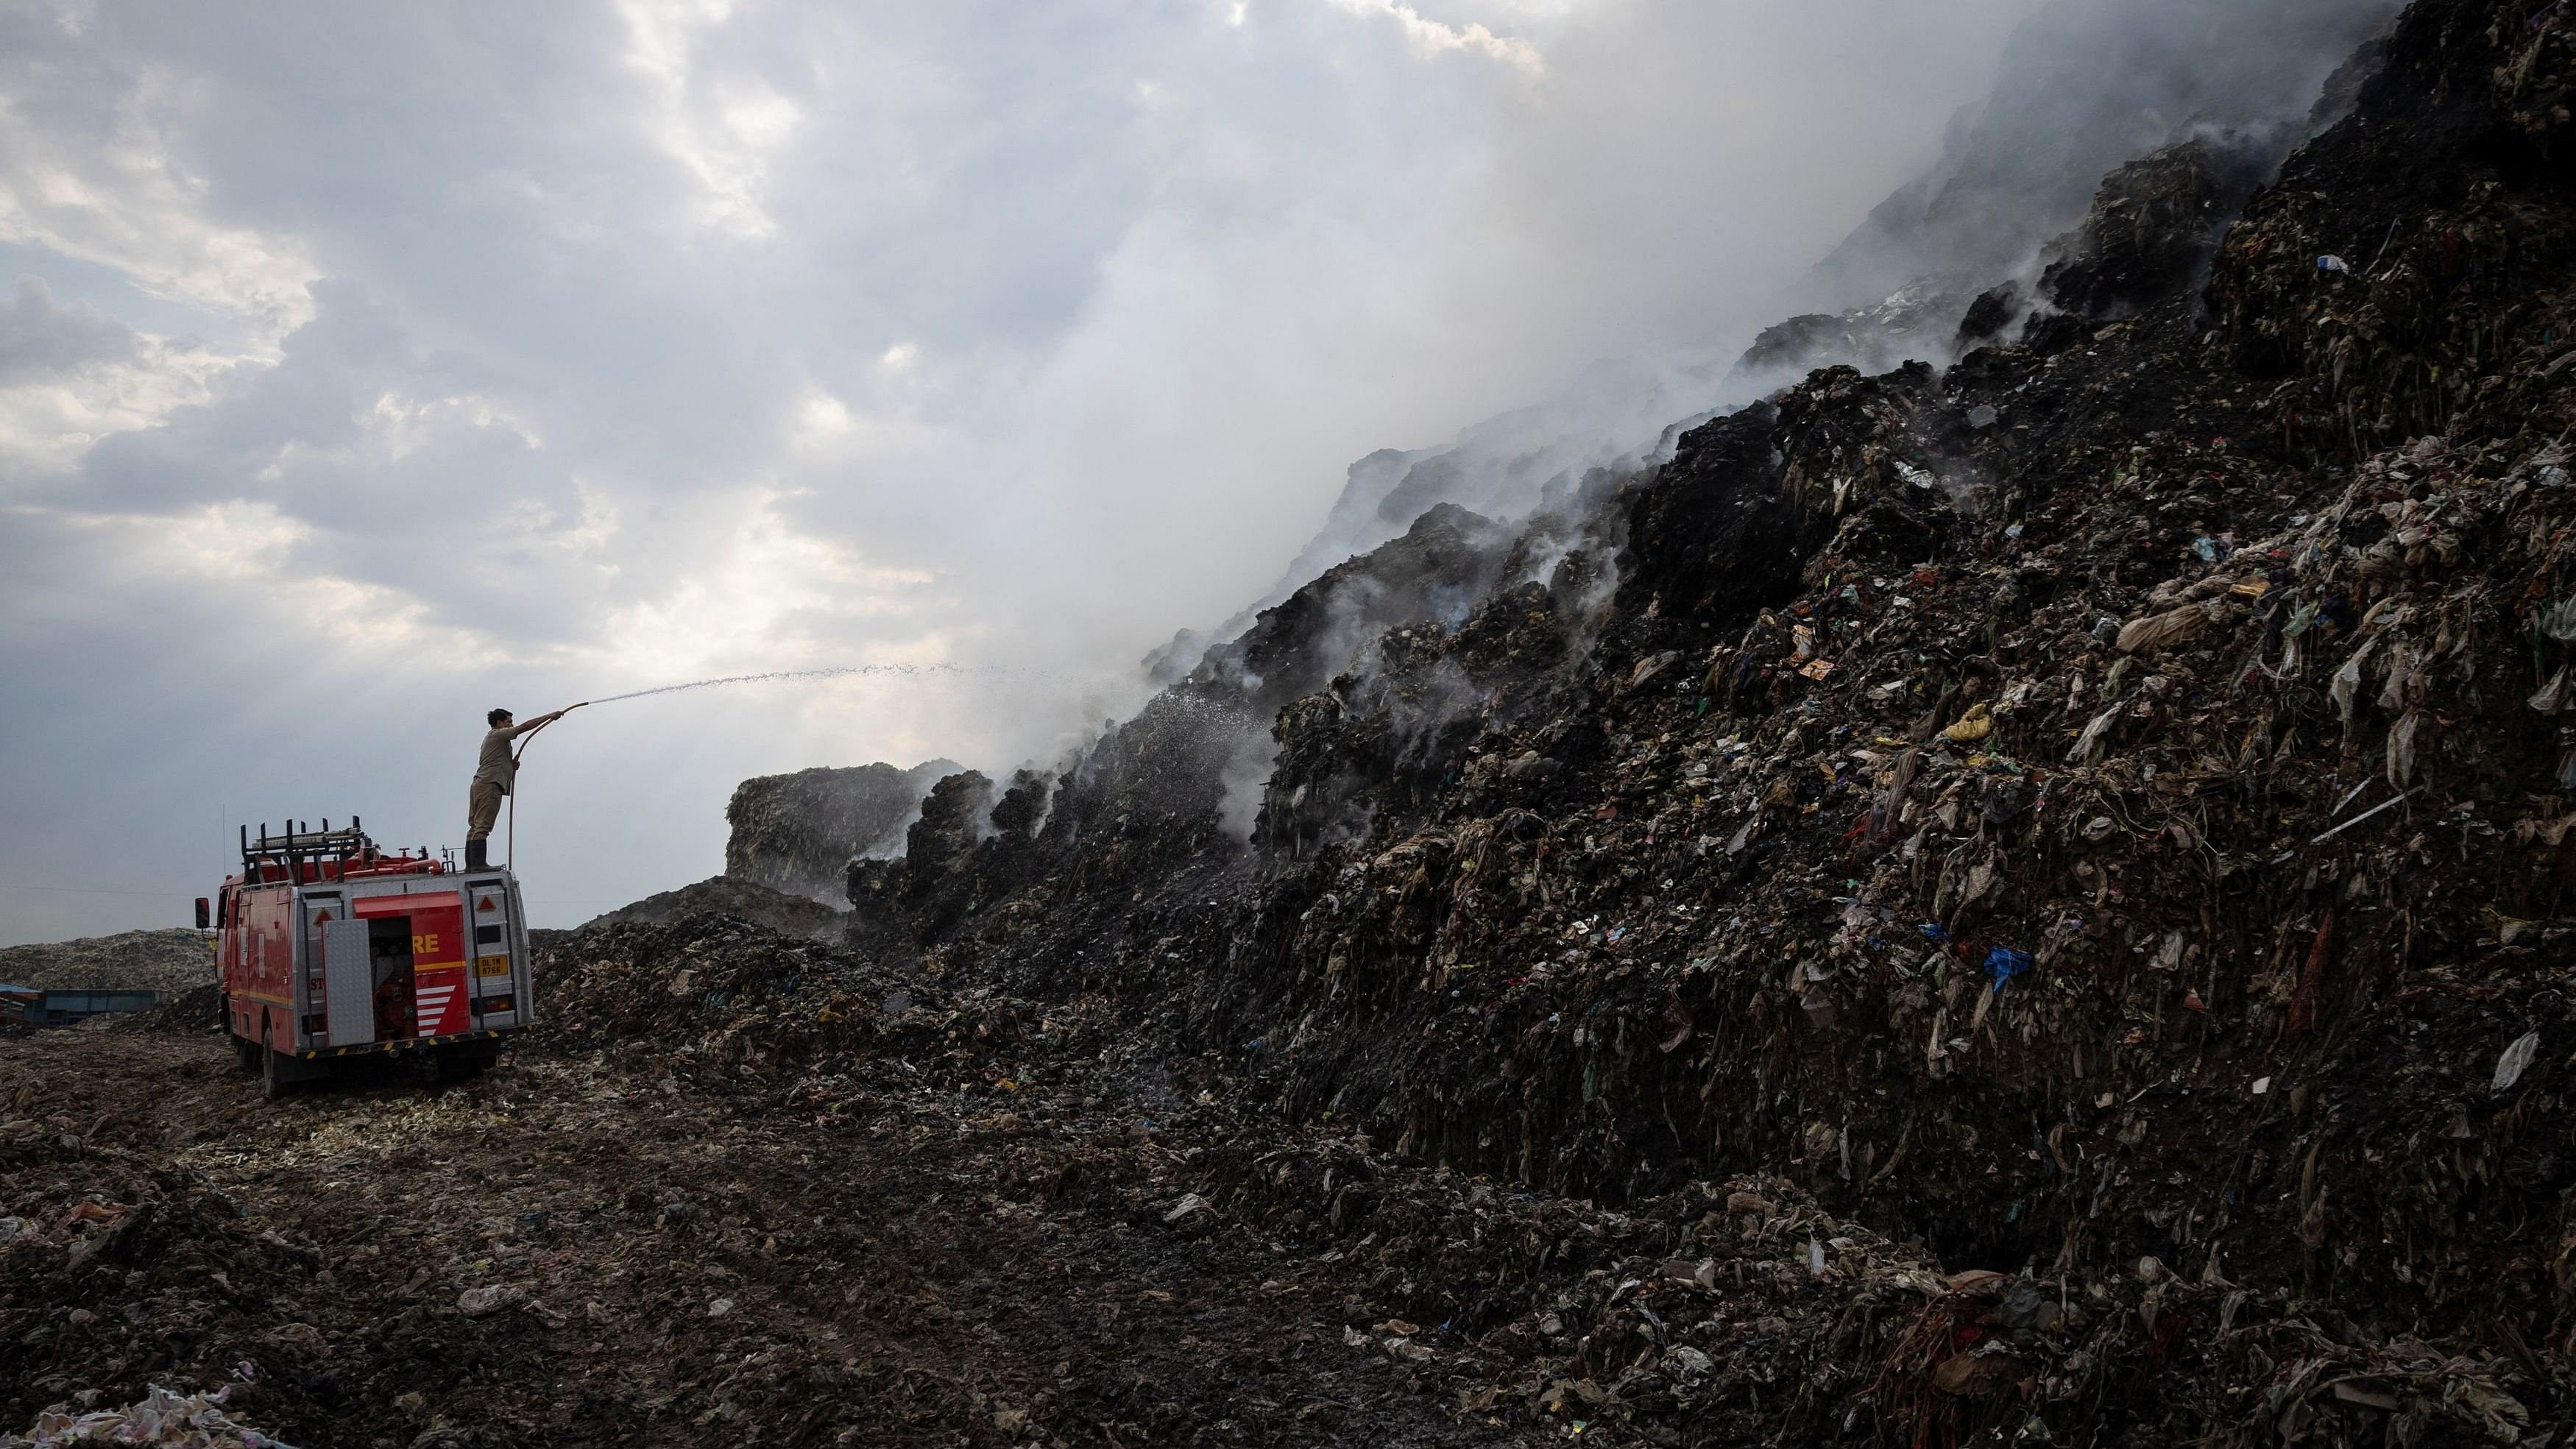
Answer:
(2097, 813)
(199, 1008)
(91, 1229)
(169, 962)
(798, 833)
(724, 992)
(190, 1421)
(1742, 1301)
(793, 915)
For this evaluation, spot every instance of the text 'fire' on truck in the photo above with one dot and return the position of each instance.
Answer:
(330, 948)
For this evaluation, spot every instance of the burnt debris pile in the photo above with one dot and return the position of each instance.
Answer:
(2098, 811)
(724, 996)
(731, 895)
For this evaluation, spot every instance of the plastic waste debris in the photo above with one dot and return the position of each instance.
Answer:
(2003, 963)
(2155, 631)
(1972, 727)
(489, 1299)
(196, 1421)
(2554, 696)
(2401, 748)
(2515, 1060)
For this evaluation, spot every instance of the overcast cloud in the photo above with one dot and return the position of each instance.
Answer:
(362, 367)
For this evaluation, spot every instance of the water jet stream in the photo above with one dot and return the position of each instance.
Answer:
(908, 670)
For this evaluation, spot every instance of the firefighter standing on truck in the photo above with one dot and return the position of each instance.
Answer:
(493, 775)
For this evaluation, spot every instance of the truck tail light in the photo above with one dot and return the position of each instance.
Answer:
(483, 1004)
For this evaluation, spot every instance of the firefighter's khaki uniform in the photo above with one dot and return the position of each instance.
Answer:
(492, 777)
(482, 809)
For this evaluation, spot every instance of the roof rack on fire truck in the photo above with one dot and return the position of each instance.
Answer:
(302, 853)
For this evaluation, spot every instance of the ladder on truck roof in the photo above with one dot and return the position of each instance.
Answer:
(303, 854)
(299, 846)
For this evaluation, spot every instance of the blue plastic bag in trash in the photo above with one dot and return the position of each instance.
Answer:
(2003, 963)
(1933, 933)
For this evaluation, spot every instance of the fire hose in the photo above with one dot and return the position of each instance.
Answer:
(510, 842)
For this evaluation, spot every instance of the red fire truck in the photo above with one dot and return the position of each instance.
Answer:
(330, 948)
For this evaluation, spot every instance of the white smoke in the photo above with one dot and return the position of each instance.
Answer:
(600, 351)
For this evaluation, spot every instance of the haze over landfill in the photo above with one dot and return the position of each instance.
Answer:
(370, 368)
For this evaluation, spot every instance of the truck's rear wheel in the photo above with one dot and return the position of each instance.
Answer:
(272, 1075)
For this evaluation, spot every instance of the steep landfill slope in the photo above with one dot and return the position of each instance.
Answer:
(2098, 812)
(2083, 86)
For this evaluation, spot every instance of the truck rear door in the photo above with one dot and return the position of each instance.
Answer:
(434, 921)
(348, 987)
(317, 912)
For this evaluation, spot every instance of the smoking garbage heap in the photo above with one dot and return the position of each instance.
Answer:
(2100, 812)
(724, 895)
(2015, 903)
(797, 833)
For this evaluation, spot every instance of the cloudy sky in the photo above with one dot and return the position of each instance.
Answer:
(362, 367)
